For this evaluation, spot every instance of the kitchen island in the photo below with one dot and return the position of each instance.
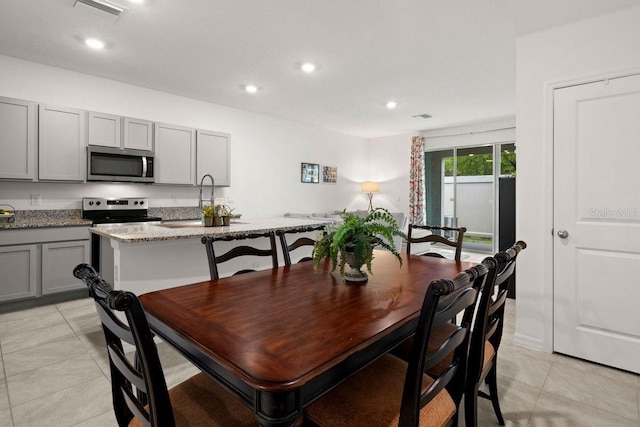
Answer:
(145, 257)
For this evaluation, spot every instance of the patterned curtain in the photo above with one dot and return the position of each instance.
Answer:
(416, 182)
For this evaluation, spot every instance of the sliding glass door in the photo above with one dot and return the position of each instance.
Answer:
(461, 186)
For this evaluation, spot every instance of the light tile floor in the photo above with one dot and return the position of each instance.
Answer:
(54, 372)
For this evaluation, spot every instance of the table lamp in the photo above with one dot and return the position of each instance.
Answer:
(370, 187)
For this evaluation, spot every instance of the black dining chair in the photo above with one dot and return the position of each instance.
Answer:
(300, 242)
(242, 250)
(392, 392)
(487, 333)
(437, 235)
(139, 390)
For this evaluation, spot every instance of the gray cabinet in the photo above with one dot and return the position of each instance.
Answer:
(19, 272)
(62, 142)
(108, 130)
(137, 134)
(58, 261)
(213, 156)
(18, 134)
(40, 261)
(175, 154)
(105, 130)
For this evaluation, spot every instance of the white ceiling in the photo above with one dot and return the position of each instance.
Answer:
(451, 59)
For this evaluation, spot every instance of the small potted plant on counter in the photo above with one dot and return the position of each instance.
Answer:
(353, 241)
(218, 213)
(208, 215)
(226, 217)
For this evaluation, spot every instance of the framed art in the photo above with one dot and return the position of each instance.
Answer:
(310, 173)
(329, 174)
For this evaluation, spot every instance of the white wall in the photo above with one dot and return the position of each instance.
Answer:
(389, 160)
(266, 152)
(600, 47)
(489, 132)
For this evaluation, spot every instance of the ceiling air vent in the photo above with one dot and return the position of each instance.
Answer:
(101, 5)
(422, 116)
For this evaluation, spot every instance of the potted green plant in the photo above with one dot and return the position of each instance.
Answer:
(218, 213)
(208, 214)
(226, 215)
(353, 241)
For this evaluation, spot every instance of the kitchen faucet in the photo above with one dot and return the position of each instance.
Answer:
(200, 204)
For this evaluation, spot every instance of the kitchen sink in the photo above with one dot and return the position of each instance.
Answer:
(189, 223)
(181, 224)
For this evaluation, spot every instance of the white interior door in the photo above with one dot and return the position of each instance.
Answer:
(597, 222)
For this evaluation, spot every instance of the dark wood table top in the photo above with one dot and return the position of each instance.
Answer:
(277, 330)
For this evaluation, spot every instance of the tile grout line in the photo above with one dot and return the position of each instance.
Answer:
(6, 385)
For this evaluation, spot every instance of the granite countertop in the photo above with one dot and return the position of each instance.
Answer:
(150, 232)
(73, 217)
(47, 218)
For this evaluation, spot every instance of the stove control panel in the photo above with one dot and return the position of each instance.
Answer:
(113, 204)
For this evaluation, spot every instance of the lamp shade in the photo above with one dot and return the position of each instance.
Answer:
(370, 187)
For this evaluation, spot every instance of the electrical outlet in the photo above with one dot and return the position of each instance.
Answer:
(174, 199)
(36, 199)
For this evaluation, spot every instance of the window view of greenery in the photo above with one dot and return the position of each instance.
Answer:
(482, 164)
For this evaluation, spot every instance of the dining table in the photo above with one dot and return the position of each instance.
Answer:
(282, 337)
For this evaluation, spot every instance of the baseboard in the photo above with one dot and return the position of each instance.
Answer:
(528, 342)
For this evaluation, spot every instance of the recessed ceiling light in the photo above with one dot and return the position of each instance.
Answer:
(94, 43)
(308, 67)
(251, 88)
(136, 1)
(391, 105)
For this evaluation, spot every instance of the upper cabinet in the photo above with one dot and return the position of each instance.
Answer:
(18, 133)
(213, 156)
(175, 154)
(105, 130)
(137, 134)
(62, 142)
(120, 132)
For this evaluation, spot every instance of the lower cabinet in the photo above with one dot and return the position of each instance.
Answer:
(18, 265)
(58, 262)
(38, 262)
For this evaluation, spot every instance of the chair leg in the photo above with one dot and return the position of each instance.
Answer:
(492, 382)
(471, 406)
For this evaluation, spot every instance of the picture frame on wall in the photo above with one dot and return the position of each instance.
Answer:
(310, 173)
(329, 174)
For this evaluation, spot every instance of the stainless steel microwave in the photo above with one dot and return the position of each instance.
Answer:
(118, 165)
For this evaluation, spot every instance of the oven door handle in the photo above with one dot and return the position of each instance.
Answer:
(144, 166)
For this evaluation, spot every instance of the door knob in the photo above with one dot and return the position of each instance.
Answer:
(563, 234)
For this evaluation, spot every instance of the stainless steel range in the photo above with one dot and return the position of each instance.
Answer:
(112, 211)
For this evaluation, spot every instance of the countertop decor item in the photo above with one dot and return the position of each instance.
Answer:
(353, 241)
(7, 213)
(208, 213)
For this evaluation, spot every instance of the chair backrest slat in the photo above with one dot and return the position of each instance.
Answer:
(436, 238)
(298, 243)
(239, 251)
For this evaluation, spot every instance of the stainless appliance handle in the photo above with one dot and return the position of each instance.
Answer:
(144, 166)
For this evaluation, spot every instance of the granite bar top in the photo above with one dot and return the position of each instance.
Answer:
(151, 232)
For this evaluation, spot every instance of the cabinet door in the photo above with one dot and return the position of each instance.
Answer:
(214, 156)
(175, 155)
(137, 134)
(58, 262)
(17, 139)
(104, 129)
(62, 144)
(19, 269)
